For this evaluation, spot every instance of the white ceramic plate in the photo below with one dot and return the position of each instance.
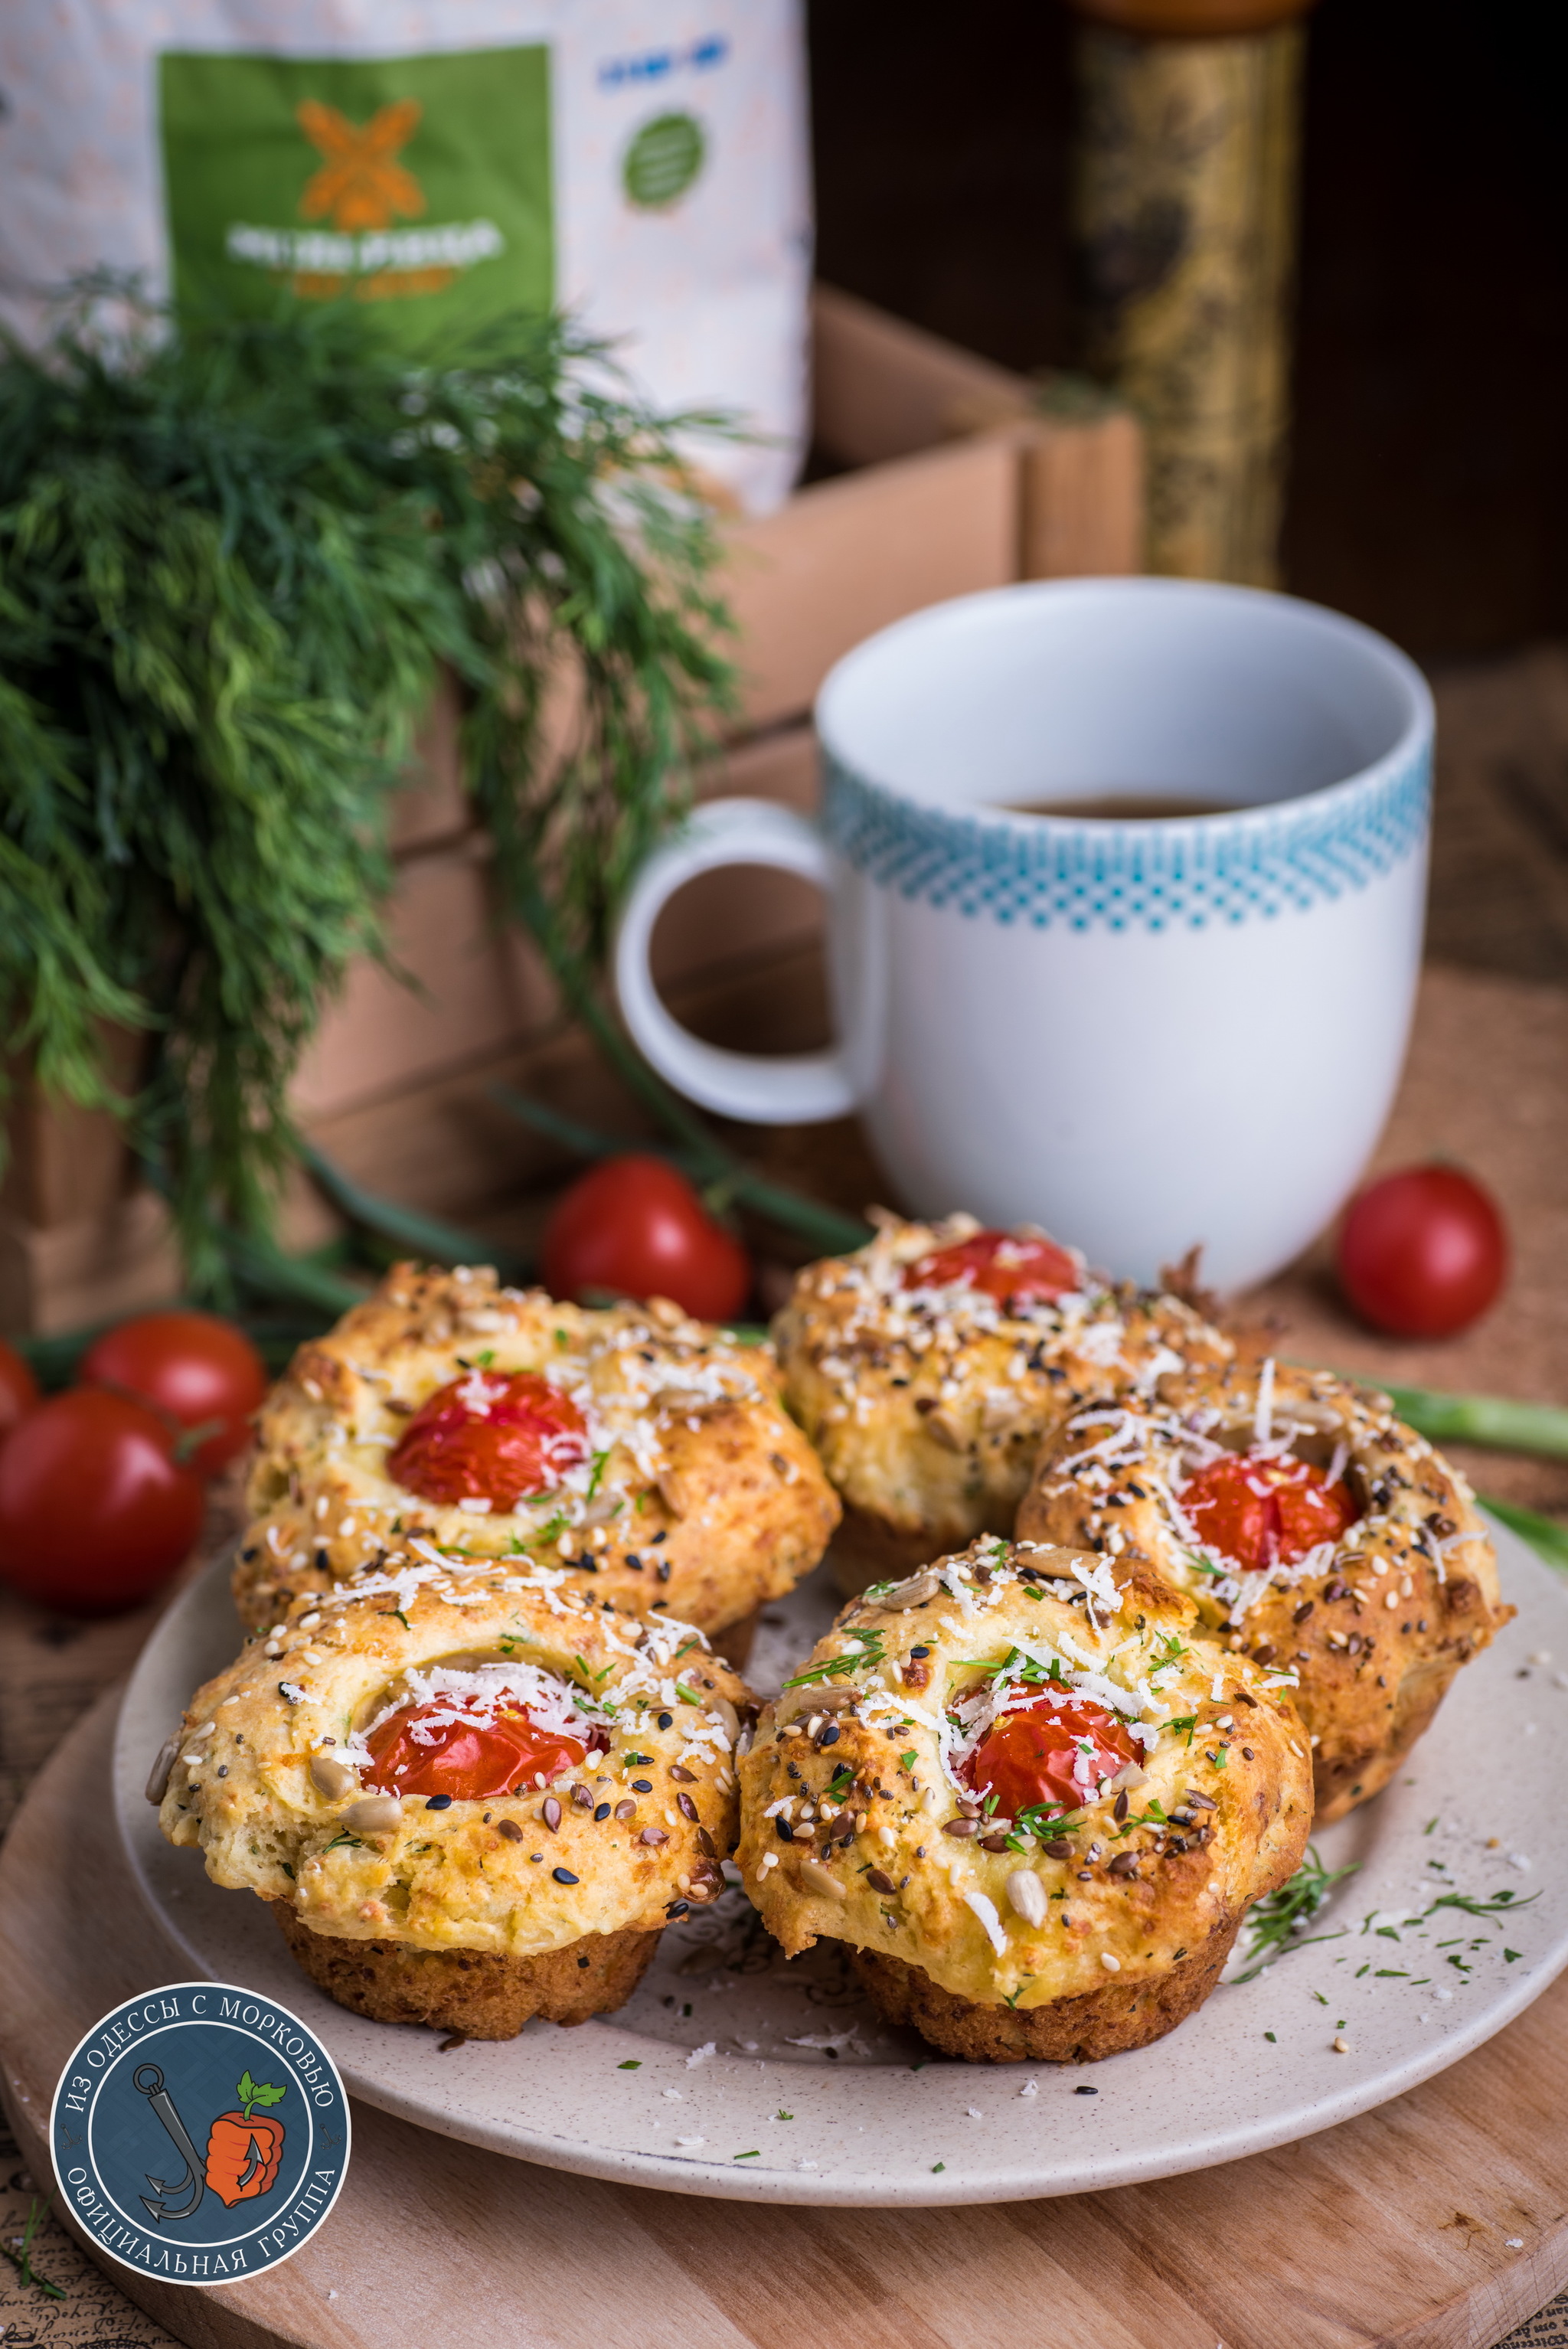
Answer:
(732, 2074)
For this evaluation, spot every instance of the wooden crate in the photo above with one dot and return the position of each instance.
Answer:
(944, 474)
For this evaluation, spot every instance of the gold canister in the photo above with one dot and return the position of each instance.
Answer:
(1185, 219)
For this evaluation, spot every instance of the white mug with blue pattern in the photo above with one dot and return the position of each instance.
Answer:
(1138, 1031)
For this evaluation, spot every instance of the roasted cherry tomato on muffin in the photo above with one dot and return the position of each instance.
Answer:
(201, 1370)
(1266, 1513)
(1059, 1755)
(1424, 1252)
(19, 1388)
(95, 1509)
(423, 1751)
(1015, 1271)
(633, 1226)
(491, 1435)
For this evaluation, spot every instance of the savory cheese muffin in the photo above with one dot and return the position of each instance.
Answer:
(1032, 1799)
(927, 1367)
(632, 1445)
(1314, 1530)
(469, 1799)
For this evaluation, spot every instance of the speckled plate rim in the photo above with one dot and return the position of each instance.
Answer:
(945, 2133)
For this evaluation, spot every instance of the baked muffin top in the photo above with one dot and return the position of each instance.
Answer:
(1023, 1770)
(927, 1367)
(484, 1761)
(632, 1444)
(1310, 1526)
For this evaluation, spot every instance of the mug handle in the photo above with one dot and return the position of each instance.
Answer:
(787, 1088)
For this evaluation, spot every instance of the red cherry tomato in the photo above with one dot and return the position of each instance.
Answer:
(472, 1765)
(1422, 1254)
(1059, 1755)
(635, 1227)
(1014, 1272)
(491, 1435)
(94, 1511)
(19, 1388)
(1266, 1513)
(192, 1366)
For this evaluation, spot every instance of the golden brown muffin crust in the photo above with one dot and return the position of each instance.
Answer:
(700, 1492)
(270, 1776)
(1111, 2021)
(928, 1405)
(471, 1990)
(857, 1823)
(1376, 1625)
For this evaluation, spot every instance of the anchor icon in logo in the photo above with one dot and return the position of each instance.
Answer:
(149, 2081)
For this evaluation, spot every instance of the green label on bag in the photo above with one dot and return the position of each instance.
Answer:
(663, 160)
(422, 184)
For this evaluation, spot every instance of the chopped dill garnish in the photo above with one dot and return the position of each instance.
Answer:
(839, 1667)
(1473, 1907)
(1045, 1819)
(1154, 1816)
(1276, 1923)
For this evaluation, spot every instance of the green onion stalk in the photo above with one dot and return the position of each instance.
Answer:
(1494, 1420)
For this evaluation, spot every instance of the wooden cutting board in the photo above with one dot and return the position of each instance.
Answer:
(1393, 2229)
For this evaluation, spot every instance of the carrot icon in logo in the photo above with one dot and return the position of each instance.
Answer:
(360, 184)
(243, 2152)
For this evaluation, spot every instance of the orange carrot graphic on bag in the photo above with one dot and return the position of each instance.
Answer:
(243, 2152)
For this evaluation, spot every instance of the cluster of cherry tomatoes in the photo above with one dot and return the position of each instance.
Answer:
(102, 1488)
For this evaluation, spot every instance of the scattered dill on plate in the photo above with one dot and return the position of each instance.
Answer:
(1276, 1924)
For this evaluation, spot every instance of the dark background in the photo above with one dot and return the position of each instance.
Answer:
(1429, 491)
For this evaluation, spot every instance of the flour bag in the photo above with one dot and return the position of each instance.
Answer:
(644, 165)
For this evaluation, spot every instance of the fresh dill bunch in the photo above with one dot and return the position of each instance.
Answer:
(233, 557)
